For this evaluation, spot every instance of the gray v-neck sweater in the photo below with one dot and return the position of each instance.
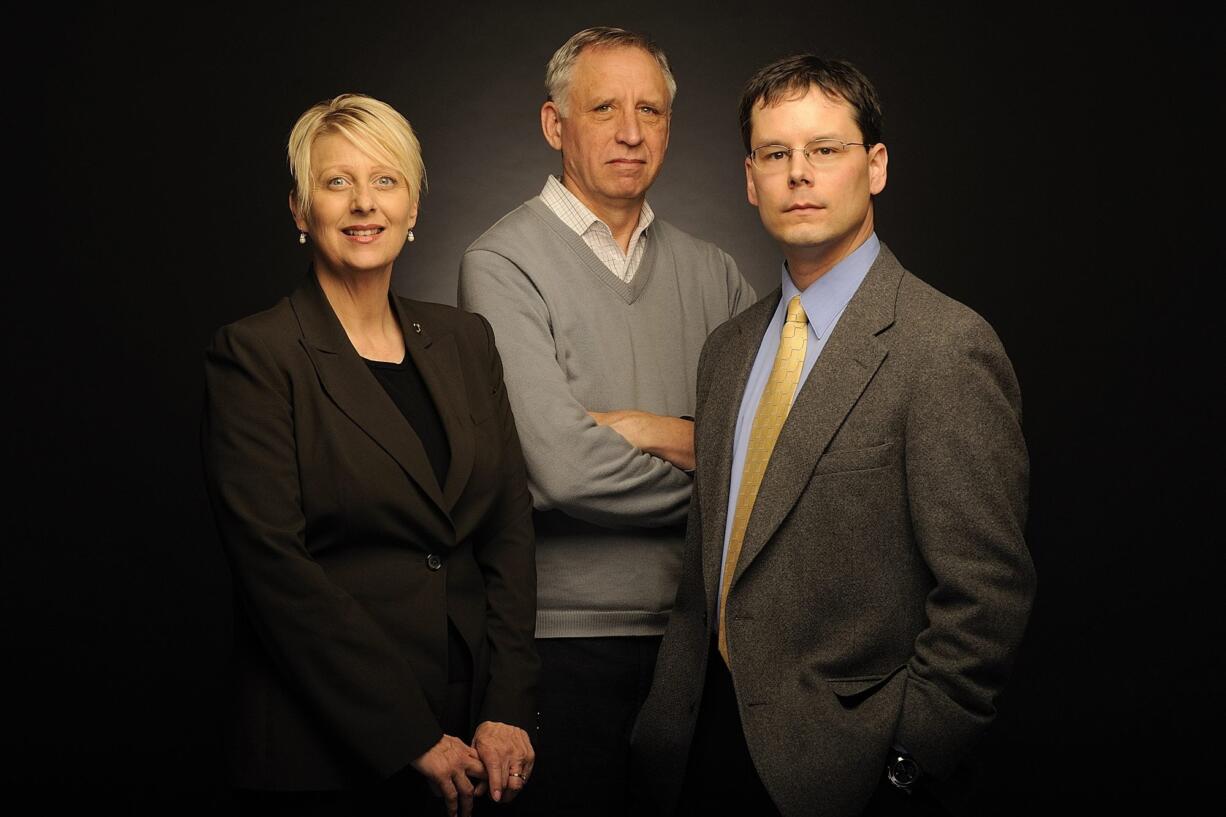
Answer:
(574, 337)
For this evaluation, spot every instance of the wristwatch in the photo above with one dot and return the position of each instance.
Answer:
(901, 769)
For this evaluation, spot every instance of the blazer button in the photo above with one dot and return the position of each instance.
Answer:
(433, 562)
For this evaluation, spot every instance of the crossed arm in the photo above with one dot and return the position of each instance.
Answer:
(614, 469)
(669, 438)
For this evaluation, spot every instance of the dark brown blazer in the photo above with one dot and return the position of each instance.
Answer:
(884, 582)
(346, 555)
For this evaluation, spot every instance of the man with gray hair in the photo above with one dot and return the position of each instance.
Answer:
(600, 310)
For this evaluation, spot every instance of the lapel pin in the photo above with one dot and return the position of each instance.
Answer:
(417, 327)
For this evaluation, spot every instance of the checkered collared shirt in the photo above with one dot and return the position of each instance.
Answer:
(595, 233)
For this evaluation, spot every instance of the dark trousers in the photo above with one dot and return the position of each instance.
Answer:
(406, 793)
(888, 801)
(591, 690)
(720, 777)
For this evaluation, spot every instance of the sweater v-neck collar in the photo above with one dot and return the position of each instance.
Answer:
(627, 291)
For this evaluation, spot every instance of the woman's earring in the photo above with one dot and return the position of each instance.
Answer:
(301, 237)
(411, 238)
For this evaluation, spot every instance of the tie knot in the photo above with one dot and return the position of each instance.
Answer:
(796, 312)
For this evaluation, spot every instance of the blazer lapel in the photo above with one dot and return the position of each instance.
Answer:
(847, 364)
(438, 360)
(349, 383)
(716, 432)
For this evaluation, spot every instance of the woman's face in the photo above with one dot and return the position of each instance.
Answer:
(361, 208)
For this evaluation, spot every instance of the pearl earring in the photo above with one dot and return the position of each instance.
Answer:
(301, 237)
(411, 238)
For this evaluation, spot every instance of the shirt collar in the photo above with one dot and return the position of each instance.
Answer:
(825, 298)
(556, 189)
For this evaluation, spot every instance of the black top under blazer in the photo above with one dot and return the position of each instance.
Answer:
(347, 558)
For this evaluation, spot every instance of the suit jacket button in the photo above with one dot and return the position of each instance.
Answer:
(433, 562)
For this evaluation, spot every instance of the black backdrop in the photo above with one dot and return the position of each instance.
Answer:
(1050, 168)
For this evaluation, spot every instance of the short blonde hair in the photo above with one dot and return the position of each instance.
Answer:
(373, 126)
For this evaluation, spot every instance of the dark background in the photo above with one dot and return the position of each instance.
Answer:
(1052, 169)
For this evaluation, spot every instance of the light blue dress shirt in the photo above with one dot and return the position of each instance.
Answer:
(823, 302)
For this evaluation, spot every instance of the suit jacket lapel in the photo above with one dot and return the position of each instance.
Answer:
(716, 431)
(847, 364)
(349, 383)
(438, 360)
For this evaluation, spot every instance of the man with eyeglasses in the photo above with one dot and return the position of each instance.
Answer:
(600, 310)
(856, 581)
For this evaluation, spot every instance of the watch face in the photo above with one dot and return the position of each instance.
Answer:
(903, 772)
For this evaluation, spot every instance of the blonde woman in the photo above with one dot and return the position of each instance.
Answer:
(368, 485)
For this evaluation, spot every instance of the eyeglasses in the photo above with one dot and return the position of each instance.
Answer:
(819, 153)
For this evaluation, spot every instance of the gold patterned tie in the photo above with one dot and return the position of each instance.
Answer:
(773, 409)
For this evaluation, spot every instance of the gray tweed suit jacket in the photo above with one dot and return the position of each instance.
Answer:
(884, 583)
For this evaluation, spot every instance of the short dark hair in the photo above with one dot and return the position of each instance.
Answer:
(836, 78)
